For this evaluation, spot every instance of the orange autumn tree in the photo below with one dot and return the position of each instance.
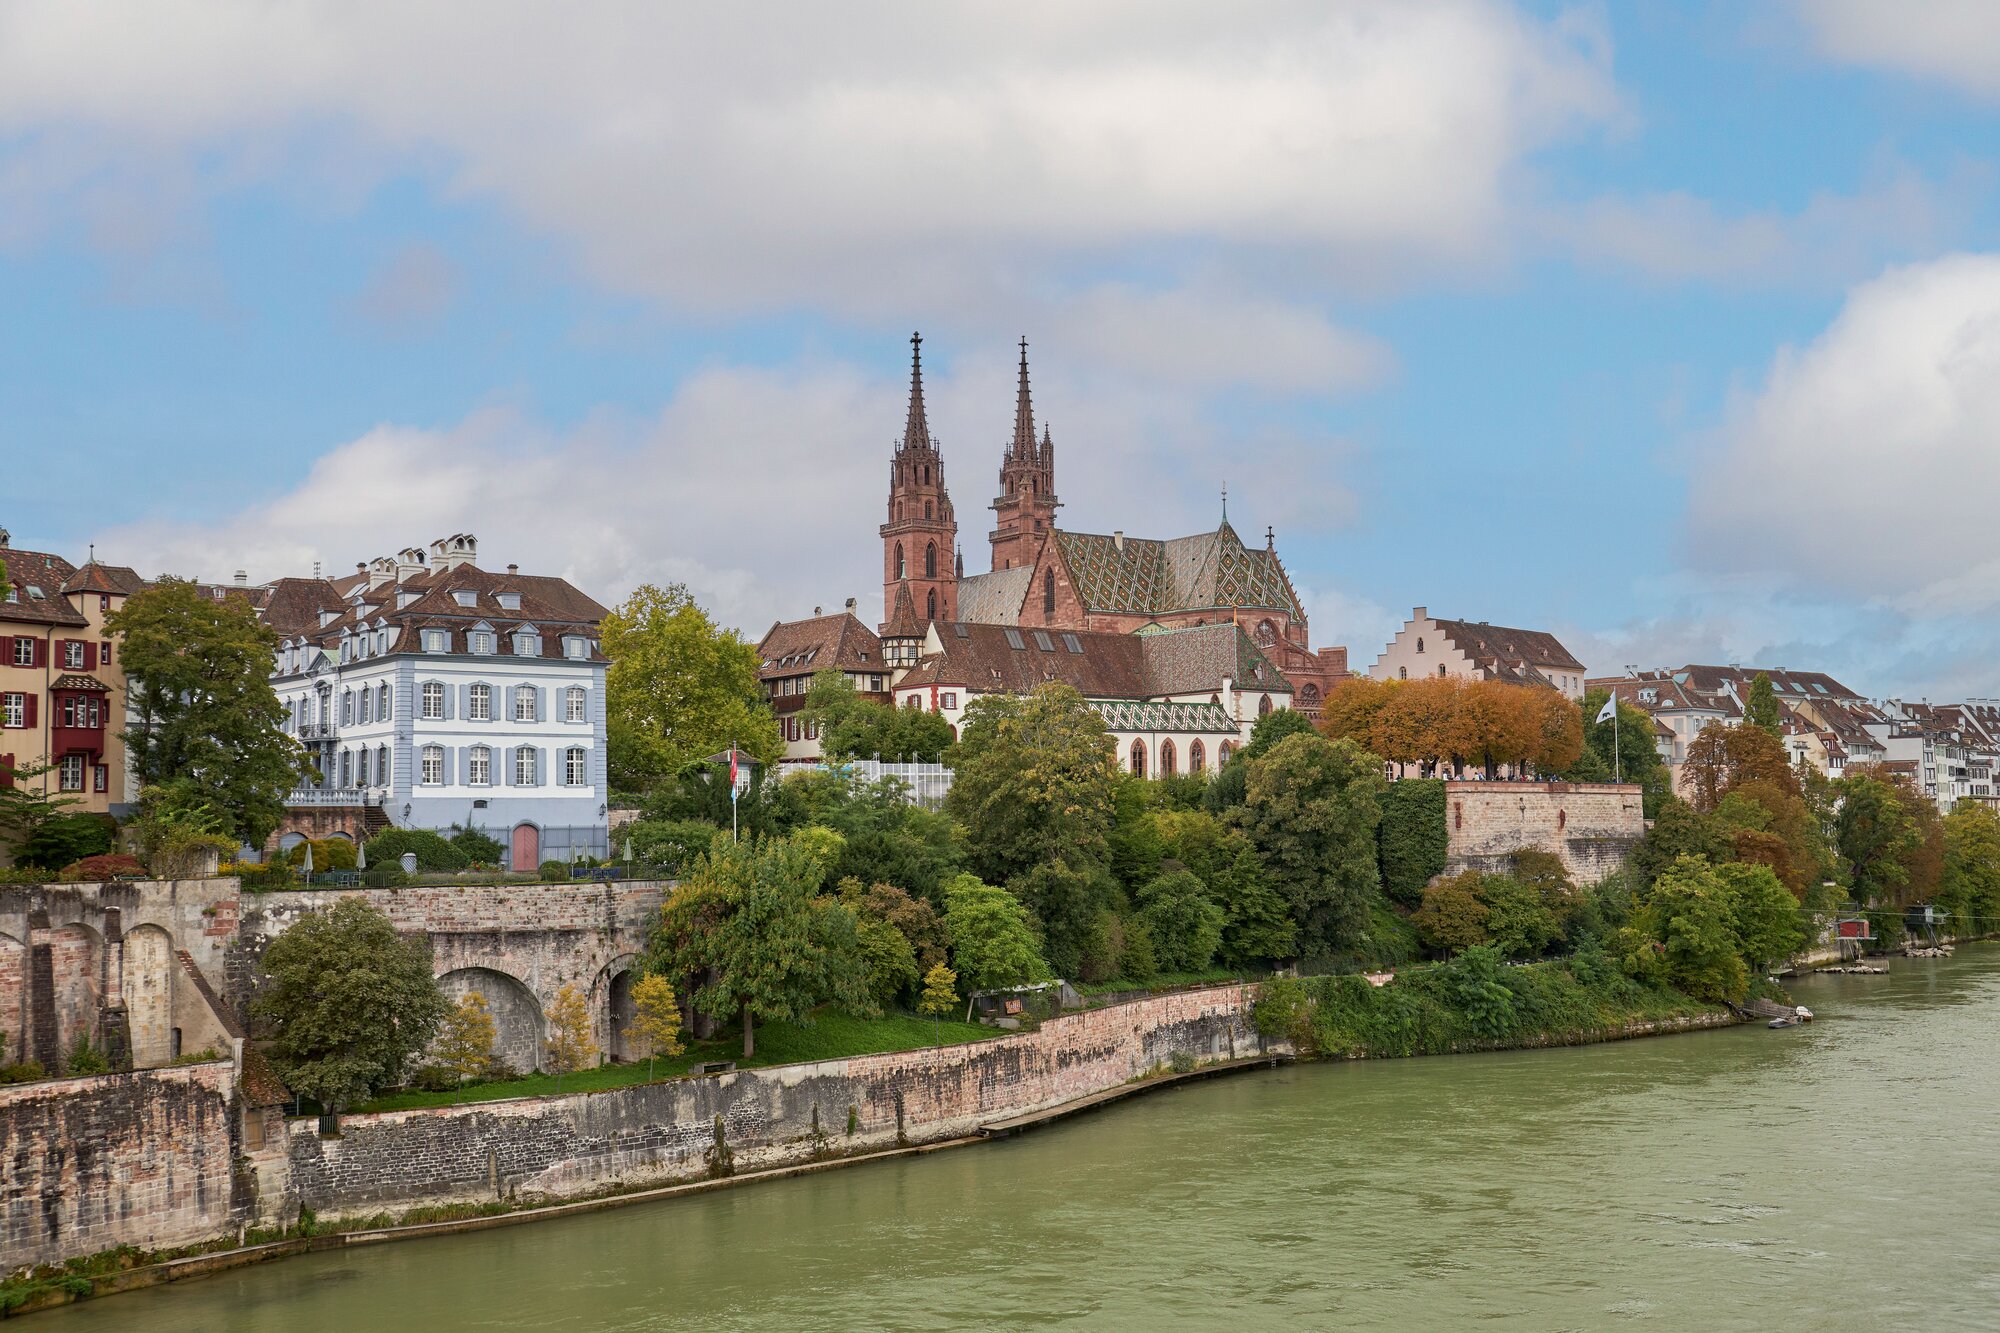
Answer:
(1353, 712)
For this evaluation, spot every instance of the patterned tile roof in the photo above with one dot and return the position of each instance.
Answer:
(1194, 659)
(1127, 715)
(995, 598)
(1139, 575)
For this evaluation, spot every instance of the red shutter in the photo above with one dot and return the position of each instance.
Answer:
(41, 656)
(29, 719)
(89, 656)
(6, 772)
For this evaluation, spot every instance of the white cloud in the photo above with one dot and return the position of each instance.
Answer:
(1955, 41)
(1866, 463)
(873, 157)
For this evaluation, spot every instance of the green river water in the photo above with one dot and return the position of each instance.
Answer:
(1837, 1176)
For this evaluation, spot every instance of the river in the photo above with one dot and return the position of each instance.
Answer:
(1835, 1176)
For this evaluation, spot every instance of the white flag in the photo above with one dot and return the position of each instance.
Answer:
(1609, 711)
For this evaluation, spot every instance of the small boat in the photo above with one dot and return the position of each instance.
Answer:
(1791, 1021)
(1803, 1014)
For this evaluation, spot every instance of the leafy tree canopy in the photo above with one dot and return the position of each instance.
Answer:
(1311, 807)
(853, 727)
(1184, 921)
(991, 940)
(1760, 709)
(1033, 782)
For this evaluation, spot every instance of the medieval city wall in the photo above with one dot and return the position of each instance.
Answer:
(142, 1159)
(553, 1147)
(1592, 826)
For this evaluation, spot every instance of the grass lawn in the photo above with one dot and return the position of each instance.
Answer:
(829, 1036)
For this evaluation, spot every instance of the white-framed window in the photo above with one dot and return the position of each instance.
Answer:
(573, 767)
(433, 765)
(346, 768)
(524, 703)
(347, 708)
(479, 641)
(948, 699)
(367, 706)
(524, 766)
(437, 640)
(575, 645)
(100, 777)
(382, 767)
(13, 710)
(479, 704)
(527, 645)
(24, 652)
(72, 772)
(573, 704)
(465, 597)
(509, 601)
(73, 659)
(382, 701)
(433, 701)
(480, 766)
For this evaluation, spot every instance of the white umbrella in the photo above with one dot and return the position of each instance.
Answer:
(361, 856)
(309, 858)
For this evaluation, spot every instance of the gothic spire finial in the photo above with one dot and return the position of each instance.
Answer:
(917, 430)
(1225, 504)
(1024, 413)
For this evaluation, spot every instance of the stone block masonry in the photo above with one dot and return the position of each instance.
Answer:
(553, 1147)
(143, 1159)
(1592, 826)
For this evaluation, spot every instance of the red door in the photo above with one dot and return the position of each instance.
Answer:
(527, 848)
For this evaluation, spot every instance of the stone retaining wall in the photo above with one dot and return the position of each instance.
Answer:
(141, 1159)
(1592, 826)
(559, 1146)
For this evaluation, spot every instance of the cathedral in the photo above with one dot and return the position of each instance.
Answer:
(1134, 614)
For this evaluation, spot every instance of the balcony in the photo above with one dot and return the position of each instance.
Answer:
(331, 798)
(318, 731)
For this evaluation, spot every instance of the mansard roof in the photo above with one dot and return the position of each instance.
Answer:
(38, 578)
(426, 601)
(1143, 576)
(839, 642)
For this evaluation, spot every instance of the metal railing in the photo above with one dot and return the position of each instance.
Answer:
(332, 797)
(926, 784)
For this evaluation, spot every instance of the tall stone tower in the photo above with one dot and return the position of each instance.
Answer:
(921, 535)
(1025, 509)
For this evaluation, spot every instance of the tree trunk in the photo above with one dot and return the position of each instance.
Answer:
(749, 1034)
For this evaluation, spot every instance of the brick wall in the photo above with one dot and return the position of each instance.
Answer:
(124, 1159)
(556, 1146)
(1592, 826)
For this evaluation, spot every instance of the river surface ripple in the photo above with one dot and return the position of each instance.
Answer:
(1836, 1176)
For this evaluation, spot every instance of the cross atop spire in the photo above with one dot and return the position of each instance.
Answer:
(1024, 413)
(917, 430)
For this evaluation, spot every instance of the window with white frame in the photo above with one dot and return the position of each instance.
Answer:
(24, 652)
(437, 640)
(527, 645)
(346, 768)
(524, 703)
(347, 708)
(573, 704)
(13, 710)
(73, 658)
(433, 765)
(382, 766)
(948, 699)
(465, 597)
(573, 767)
(480, 767)
(524, 766)
(479, 641)
(367, 706)
(72, 772)
(575, 645)
(382, 701)
(479, 703)
(433, 701)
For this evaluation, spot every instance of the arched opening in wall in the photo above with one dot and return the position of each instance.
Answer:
(13, 999)
(1167, 759)
(287, 841)
(1197, 758)
(930, 561)
(1309, 695)
(342, 834)
(1440, 668)
(1222, 753)
(1138, 759)
(1562, 820)
(930, 605)
(616, 1010)
(1264, 706)
(526, 849)
(76, 956)
(902, 568)
(148, 987)
(518, 1026)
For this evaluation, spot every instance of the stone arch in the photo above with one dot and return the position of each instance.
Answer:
(289, 840)
(149, 995)
(76, 958)
(342, 833)
(519, 1029)
(613, 1009)
(1309, 695)
(13, 999)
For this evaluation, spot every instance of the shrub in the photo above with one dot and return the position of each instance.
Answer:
(434, 854)
(554, 871)
(1184, 925)
(1412, 840)
(23, 1071)
(62, 839)
(94, 869)
(327, 853)
(477, 846)
(435, 1078)
(1139, 959)
(85, 1059)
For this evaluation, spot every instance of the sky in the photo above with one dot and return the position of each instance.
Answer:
(1671, 328)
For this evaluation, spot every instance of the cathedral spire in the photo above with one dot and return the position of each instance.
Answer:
(1023, 446)
(917, 430)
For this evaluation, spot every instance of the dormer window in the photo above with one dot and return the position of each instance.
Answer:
(575, 645)
(509, 601)
(437, 641)
(465, 597)
(403, 599)
(479, 641)
(527, 644)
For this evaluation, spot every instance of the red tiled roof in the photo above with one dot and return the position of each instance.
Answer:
(37, 599)
(1492, 646)
(838, 642)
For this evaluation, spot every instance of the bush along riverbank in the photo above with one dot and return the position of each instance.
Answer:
(1475, 1002)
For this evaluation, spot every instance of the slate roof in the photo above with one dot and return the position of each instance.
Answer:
(1506, 651)
(838, 642)
(1193, 660)
(1801, 684)
(28, 571)
(1143, 576)
(1128, 716)
(995, 598)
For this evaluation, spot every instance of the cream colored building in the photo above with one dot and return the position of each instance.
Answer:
(1475, 650)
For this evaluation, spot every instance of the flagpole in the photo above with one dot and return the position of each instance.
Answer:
(1617, 762)
(732, 792)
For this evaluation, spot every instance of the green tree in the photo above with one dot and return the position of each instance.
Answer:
(1626, 749)
(940, 994)
(1518, 920)
(203, 713)
(1032, 782)
(749, 921)
(347, 1004)
(1412, 839)
(852, 727)
(674, 844)
(1310, 807)
(1683, 934)
(1877, 837)
(888, 959)
(1257, 927)
(891, 840)
(679, 688)
(913, 918)
(656, 1019)
(1969, 888)
(1769, 926)
(570, 1045)
(177, 830)
(1760, 709)
(990, 937)
(1680, 830)
(1183, 920)
(1453, 915)
(465, 1038)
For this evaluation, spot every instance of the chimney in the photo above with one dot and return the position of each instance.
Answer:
(1118, 541)
(850, 606)
(512, 570)
(316, 570)
(461, 548)
(242, 578)
(1420, 613)
(381, 570)
(816, 610)
(6, 538)
(409, 563)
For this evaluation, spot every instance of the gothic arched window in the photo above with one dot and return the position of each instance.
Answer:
(930, 561)
(1420, 643)
(1166, 759)
(1197, 759)
(930, 605)
(1138, 759)
(927, 509)
(1264, 706)
(1048, 592)
(901, 569)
